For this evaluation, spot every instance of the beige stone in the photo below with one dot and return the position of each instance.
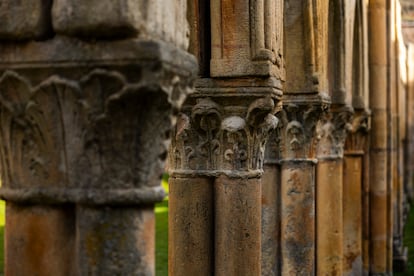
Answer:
(379, 200)
(329, 217)
(352, 196)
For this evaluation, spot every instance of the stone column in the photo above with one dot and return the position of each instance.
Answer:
(298, 161)
(392, 135)
(304, 100)
(378, 63)
(86, 113)
(271, 186)
(332, 132)
(217, 158)
(354, 194)
(399, 254)
(356, 147)
(220, 138)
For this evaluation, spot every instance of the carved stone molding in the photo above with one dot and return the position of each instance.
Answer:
(332, 132)
(66, 137)
(357, 140)
(299, 118)
(217, 135)
(272, 152)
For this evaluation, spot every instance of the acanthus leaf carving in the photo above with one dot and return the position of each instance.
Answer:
(221, 141)
(35, 138)
(206, 118)
(298, 137)
(332, 132)
(92, 132)
(357, 139)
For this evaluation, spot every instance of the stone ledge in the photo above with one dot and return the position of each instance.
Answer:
(217, 173)
(139, 196)
(64, 51)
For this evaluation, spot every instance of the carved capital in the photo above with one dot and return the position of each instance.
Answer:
(332, 132)
(214, 137)
(299, 118)
(85, 130)
(357, 140)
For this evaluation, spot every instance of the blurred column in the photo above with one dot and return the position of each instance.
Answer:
(88, 93)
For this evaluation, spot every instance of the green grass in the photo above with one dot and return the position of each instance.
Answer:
(2, 221)
(409, 242)
(161, 234)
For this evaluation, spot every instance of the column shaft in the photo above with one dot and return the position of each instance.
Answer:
(271, 220)
(366, 228)
(39, 240)
(329, 217)
(115, 240)
(190, 226)
(298, 218)
(237, 226)
(352, 217)
(378, 62)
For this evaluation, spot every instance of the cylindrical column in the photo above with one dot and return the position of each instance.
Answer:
(298, 217)
(271, 220)
(366, 228)
(190, 231)
(352, 217)
(378, 147)
(329, 216)
(237, 226)
(39, 240)
(115, 240)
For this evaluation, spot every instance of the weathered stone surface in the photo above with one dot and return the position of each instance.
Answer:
(220, 136)
(271, 219)
(237, 226)
(306, 36)
(40, 240)
(115, 241)
(378, 144)
(352, 216)
(247, 38)
(109, 19)
(332, 132)
(329, 232)
(299, 119)
(25, 20)
(298, 218)
(356, 202)
(191, 226)
(83, 133)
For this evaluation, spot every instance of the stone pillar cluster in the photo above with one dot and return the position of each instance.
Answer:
(290, 152)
